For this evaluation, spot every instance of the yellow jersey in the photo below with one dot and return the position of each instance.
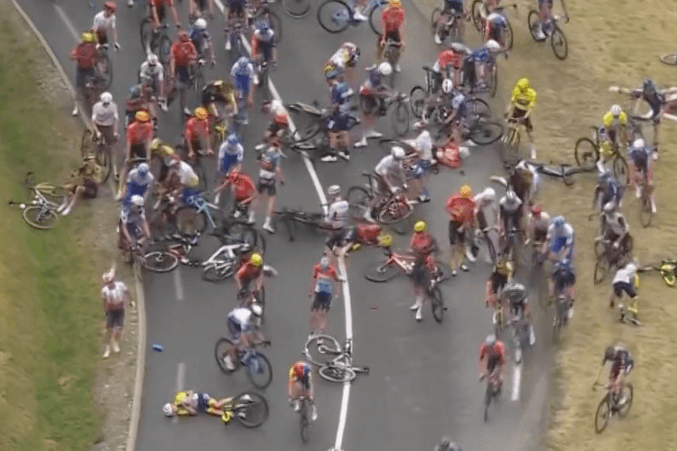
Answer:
(523, 100)
(610, 121)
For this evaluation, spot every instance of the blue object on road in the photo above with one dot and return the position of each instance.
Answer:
(158, 348)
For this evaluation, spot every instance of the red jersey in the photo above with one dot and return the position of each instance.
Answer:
(196, 128)
(447, 57)
(368, 233)
(139, 132)
(392, 18)
(162, 2)
(244, 188)
(183, 53)
(324, 278)
(85, 55)
(421, 243)
(461, 210)
(248, 271)
(497, 351)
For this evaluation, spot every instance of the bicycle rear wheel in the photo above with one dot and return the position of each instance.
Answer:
(400, 119)
(534, 25)
(602, 415)
(559, 43)
(628, 393)
(259, 371)
(304, 425)
(334, 373)
(146, 33)
(379, 272)
(620, 170)
(417, 100)
(586, 153)
(40, 217)
(437, 304)
(478, 107)
(601, 270)
(322, 349)
(105, 162)
(250, 409)
(223, 348)
(159, 261)
(164, 49)
(394, 211)
(105, 70)
(334, 16)
(645, 212)
(375, 17)
(476, 14)
(87, 143)
(296, 8)
(359, 202)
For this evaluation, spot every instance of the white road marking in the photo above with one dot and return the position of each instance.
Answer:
(180, 383)
(516, 382)
(178, 285)
(69, 25)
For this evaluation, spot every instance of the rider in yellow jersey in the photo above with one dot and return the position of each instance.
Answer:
(164, 153)
(521, 103)
(219, 92)
(191, 403)
(615, 121)
(301, 385)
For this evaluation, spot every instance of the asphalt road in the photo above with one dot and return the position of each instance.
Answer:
(423, 382)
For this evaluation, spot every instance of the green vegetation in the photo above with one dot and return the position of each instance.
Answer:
(50, 312)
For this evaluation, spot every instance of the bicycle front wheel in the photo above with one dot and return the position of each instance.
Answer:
(478, 107)
(645, 211)
(375, 17)
(158, 261)
(224, 347)
(334, 16)
(601, 270)
(87, 143)
(620, 170)
(250, 409)
(628, 393)
(164, 50)
(394, 211)
(358, 200)
(41, 218)
(534, 25)
(417, 100)
(380, 272)
(509, 35)
(437, 304)
(304, 426)
(217, 273)
(259, 371)
(586, 153)
(334, 373)
(559, 43)
(476, 11)
(602, 415)
(146, 33)
(400, 119)
(486, 132)
(322, 349)
(296, 8)
(105, 70)
(105, 162)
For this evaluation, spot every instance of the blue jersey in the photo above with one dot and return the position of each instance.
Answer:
(480, 55)
(200, 39)
(561, 239)
(341, 94)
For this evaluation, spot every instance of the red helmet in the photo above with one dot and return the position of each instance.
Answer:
(299, 369)
(183, 36)
(536, 209)
(110, 6)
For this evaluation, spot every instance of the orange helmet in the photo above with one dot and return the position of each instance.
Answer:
(300, 369)
(142, 116)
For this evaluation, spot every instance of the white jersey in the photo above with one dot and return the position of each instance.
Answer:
(227, 149)
(337, 215)
(106, 116)
(242, 316)
(540, 224)
(616, 223)
(148, 71)
(135, 178)
(103, 23)
(424, 144)
(386, 165)
(626, 274)
(187, 175)
(343, 55)
(115, 295)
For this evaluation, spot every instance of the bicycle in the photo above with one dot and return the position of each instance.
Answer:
(419, 94)
(390, 209)
(607, 259)
(666, 268)
(492, 391)
(477, 238)
(587, 153)
(249, 408)
(394, 265)
(264, 13)
(478, 13)
(291, 217)
(400, 119)
(41, 211)
(256, 363)
(561, 170)
(335, 362)
(391, 54)
(304, 418)
(645, 205)
(336, 16)
(511, 140)
(558, 41)
(156, 41)
(511, 244)
(561, 306)
(103, 66)
(449, 28)
(168, 259)
(223, 262)
(298, 9)
(611, 405)
(98, 149)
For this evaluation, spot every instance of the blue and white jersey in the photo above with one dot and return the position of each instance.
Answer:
(138, 184)
(561, 239)
(228, 151)
(341, 95)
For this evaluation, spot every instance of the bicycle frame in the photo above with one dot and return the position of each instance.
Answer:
(229, 254)
(202, 206)
(403, 262)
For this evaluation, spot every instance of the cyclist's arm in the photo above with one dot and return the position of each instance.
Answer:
(125, 232)
(313, 282)
(189, 142)
(156, 19)
(290, 384)
(278, 174)
(174, 15)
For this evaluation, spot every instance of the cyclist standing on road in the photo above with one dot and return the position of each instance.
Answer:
(105, 121)
(324, 284)
(341, 98)
(139, 137)
(624, 282)
(196, 134)
(278, 126)
(510, 213)
(641, 167)
(461, 209)
(301, 385)
(452, 8)
(270, 172)
(114, 296)
(537, 226)
(104, 25)
(372, 93)
(522, 102)
(337, 217)
(615, 228)
(422, 145)
(393, 23)
(183, 56)
(138, 183)
(85, 55)
(231, 155)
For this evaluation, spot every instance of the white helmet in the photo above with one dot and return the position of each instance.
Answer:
(333, 190)
(609, 207)
(168, 410)
(493, 46)
(256, 310)
(152, 59)
(616, 110)
(639, 142)
(106, 97)
(464, 151)
(457, 100)
(385, 69)
(447, 86)
(137, 200)
(511, 196)
(489, 194)
(398, 153)
(200, 24)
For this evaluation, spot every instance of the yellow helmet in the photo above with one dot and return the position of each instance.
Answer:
(155, 144)
(465, 192)
(523, 84)
(201, 113)
(256, 259)
(87, 37)
(385, 240)
(328, 68)
(396, 3)
(419, 226)
(180, 397)
(142, 116)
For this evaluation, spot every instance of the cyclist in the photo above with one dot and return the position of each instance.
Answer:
(447, 445)
(517, 298)
(195, 7)
(493, 350)
(476, 62)
(343, 61)
(231, 154)
(341, 98)
(452, 8)
(158, 9)
(537, 228)
(422, 146)
(138, 183)
(510, 213)
(140, 99)
(183, 57)
(104, 25)
(372, 93)
(183, 177)
(624, 281)
(337, 217)
(421, 278)
(105, 121)
(563, 280)
(545, 15)
(278, 126)
(522, 102)
(621, 365)
(496, 29)
(502, 272)
(615, 229)
(422, 246)
(615, 123)
(457, 120)
(485, 209)
(524, 180)
(264, 48)
(219, 93)
(606, 191)
(461, 209)
(244, 193)
(393, 23)
(236, 13)
(81, 184)
(85, 55)
(244, 328)
(164, 151)
(151, 74)
(324, 283)
(301, 386)
(133, 225)
(242, 73)
(448, 61)
(139, 136)
(249, 278)
(191, 403)
(270, 172)
(560, 239)
(196, 133)
(641, 167)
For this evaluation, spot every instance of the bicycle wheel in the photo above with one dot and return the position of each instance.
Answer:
(333, 373)
(189, 222)
(620, 170)
(322, 349)
(509, 35)
(104, 160)
(375, 18)
(478, 107)
(223, 348)
(259, 371)
(535, 25)
(146, 33)
(556, 324)
(586, 153)
(491, 249)
(105, 70)
(260, 299)
(476, 11)
(645, 212)
(400, 119)
(244, 233)
(359, 202)
(158, 261)
(559, 43)
(493, 80)
(599, 247)
(602, 415)
(486, 132)
(437, 304)
(394, 211)
(198, 83)
(434, 19)
(417, 98)
(217, 273)
(304, 425)
(40, 217)
(601, 270)
(628, 393)
(669, 59)
(379, 272)
(296, 8)
(250, 409)
(334, 16)
(164, 50)
(488, 394)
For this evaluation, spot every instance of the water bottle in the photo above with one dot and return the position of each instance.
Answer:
(158, 348)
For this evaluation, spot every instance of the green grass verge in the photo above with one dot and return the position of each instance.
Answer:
(50, 311)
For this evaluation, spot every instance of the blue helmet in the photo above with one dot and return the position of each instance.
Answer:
(558, 222)
(232, 140)
(263, 26)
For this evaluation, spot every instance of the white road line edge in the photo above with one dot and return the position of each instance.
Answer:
(68, 23)
(180, 383)
(178, 285)
(516, 382)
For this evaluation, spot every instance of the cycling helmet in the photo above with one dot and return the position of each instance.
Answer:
(180, 397)
(152, 59)
(168, 410)
(263, 26)
(87, 37)
(333, 190)
(398, 153)
(155, 144)
(493, 46)
(395, 3)
(489, 194)
(385, 69)
(536, 210)
(143, 169)
(609, 207)
(465, 192)
(110, 6)
(523, 84)
(385, 240)
(256, 260)
(447, 86)
(232, 140)
(184, 36)
(108, 277)
(142, 116)
(558, 222)
(201, 113)
(616, 110)
(649, 85)
(511, 196)
(135, 92)
(638, 143)
(137, 200)
(490, 340)
(419, 227)
(106, 98)
(299, 369)
(242, 62)
(457, 100)
(234, 176)
(256, 310)
(201, 24)
(609, 353)
(324, 263)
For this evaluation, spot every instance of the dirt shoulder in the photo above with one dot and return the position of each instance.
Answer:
(51, 322)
